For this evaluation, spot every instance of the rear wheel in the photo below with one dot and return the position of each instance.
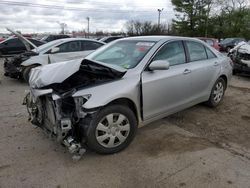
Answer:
(112, 129)
(217, 93)
(234, 72)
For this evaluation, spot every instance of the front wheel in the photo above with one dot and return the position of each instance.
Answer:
(112, 129)
(26, 73)
(217, 93)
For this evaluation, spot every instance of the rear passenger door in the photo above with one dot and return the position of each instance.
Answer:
(204, 67)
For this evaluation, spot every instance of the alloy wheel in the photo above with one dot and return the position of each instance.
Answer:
(218, 92)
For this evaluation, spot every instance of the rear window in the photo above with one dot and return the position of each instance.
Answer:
(89, 45)
(210, 54)
(196, 51)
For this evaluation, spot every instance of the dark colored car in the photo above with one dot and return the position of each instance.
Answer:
(54, 37)
(211, 41)
(227, 44)
(110, 39)
(14, 45)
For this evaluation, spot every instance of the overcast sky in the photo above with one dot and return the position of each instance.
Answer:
(107, 15)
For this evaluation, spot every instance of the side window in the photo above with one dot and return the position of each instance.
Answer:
(110, 39)
(173, 52)
(196, 51)
(210, 42)
(50, 38)
(210, 54)
(37, 43)
(73, 46)
(15, 43)
(88, 45)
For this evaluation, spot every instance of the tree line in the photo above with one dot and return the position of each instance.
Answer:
(204, 18)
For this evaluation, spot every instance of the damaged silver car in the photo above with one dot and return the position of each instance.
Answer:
(99, 102)
(240, 56)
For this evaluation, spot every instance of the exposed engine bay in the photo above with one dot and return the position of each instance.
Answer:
(12, 65)
(62, 116)
(240, 55)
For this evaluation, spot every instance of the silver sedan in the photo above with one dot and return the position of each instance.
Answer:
(98, 102)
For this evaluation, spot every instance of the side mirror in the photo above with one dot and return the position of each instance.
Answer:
(159, 65)
(54, 50)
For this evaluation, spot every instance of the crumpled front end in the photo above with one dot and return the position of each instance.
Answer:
(240, 55)
(51, 103)
(12, 65)
(58, 116)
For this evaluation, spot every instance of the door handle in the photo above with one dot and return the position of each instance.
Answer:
(187, 71)
(216, 63)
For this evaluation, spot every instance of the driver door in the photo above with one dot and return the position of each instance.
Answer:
(167, 91)
(67, 51)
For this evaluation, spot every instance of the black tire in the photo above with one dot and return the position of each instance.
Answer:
(234, 72)
(26, 73)
(91, 139)
(212, 102)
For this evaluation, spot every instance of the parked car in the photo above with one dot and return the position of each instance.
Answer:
(227, 44)
(110, 39)
(240, 56)
(50, 38)
(211, 41)
(55, 51)
(99, 102)
(14, 45)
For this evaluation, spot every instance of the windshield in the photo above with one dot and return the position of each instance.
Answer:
(124, 53)
(47, 46)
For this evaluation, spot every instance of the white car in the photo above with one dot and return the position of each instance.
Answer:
(58, 51)
(55, 51)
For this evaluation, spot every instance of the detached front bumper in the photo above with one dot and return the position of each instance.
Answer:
(11, 70)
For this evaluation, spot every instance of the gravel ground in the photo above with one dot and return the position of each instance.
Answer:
(198, 147)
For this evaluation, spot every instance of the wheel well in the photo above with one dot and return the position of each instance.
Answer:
(224, 78)
(127, 102)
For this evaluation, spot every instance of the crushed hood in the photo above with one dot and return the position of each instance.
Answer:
(27, 43)
(242, 47)
(57, 73)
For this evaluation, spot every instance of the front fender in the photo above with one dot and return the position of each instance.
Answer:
(103, 94)
(40, 59)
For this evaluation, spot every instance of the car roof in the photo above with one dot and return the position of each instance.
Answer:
(74, 39)
(159, 38)
(206, 38)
